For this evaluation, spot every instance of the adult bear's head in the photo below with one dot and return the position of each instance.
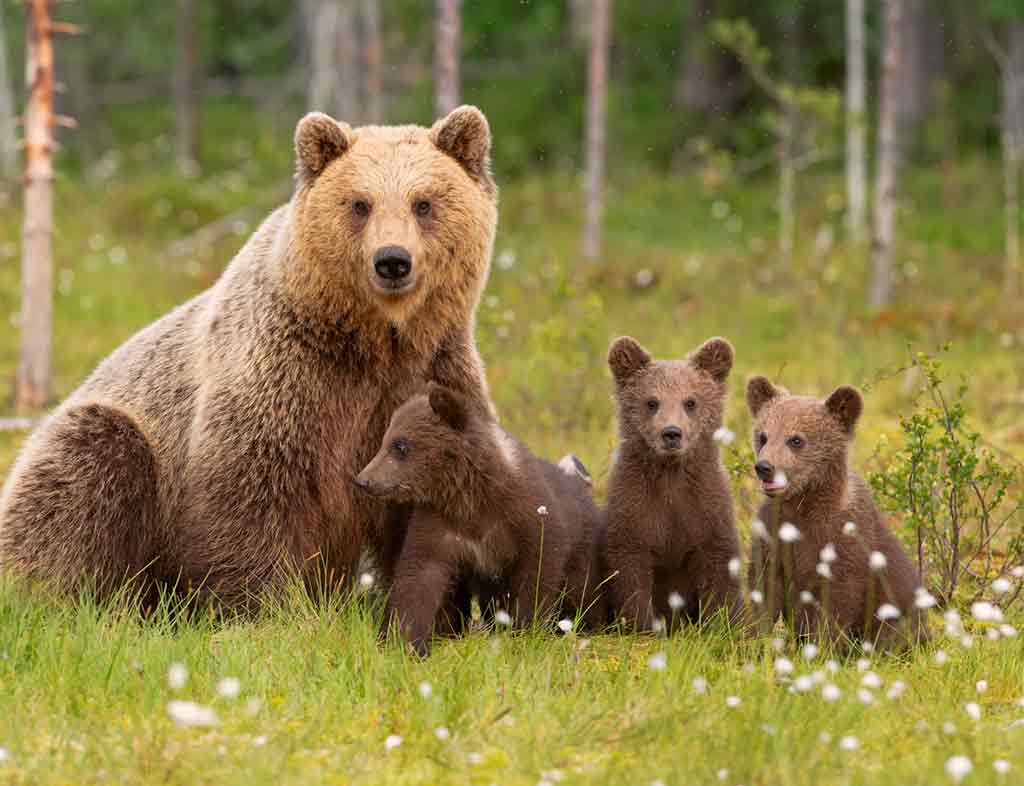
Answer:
(395, 217)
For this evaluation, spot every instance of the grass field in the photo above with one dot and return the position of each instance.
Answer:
(84, 693)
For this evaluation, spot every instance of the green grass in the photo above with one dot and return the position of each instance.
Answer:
(84, 693)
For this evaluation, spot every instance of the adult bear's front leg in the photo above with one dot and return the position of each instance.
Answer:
(81, 508)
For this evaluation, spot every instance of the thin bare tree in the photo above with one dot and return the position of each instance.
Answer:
(889, 156)
(596, 122)
(698, 83)
(446, 57)
(856, 122)
(33, 387)
(334, 58)
(8, 136)
(369, 16)
(579, 21)
(186, 89)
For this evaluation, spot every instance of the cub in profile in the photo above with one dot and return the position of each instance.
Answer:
(489, 518)
(846, 568)
(672, 543)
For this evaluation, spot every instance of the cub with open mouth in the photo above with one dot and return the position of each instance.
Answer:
(489, 518)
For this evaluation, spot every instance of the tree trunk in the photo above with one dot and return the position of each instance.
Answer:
(1012, 120)
(914, 89)
(596, 119)
(33, 387)
(346, 63)
(579, 21)
(889, 155)
(8, 135)
(322, 22)
(856, 121)
(369, 12)
(186, 89)
(446, 57)
(788, 132)
(698, 87)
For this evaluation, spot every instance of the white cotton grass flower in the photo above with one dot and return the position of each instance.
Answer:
(733, 701)
(981, 686)
(177, 676)
(983, 611)
(5, 755)
(724, 435)
(475, 758)
(658, 661)
(923, 599)
(941, 657)
(828, 554)
(966, 642)
(759, 530)
(734, 567)
(863, 664)
(778, 644)
(887, 611)
(865, 696)
(830, 692)
(992, 634)
(807, 598)
(502, 617)
(832, 666)
(542, 510)
(722, 774)
(867, 646)
(973, 709)
(958, 768)
(188, 713)
(260, 740)
(1001, 586)
(426, 689)
(788, 533)
(1001, 766)
(783, 666)
(658, 625)
(824, 737)
(756, 597)
(393, 741)
(675, 601)
(700, 685)
(366, 580)
(1008, 631)
(954, 627)
(565, 625)
(849, 528)
(810, 651)
(442, 733)
(895, 690)
(849, 743)
(871, 680)
(253, 706)
(229, 688)
(877, 561)
(824, 570)
(1018, 572)
(803, 683)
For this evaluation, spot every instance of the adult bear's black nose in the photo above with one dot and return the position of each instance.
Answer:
(765, 471)
(392, 263)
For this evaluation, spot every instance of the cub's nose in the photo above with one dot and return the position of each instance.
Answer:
(392, 263)
(765, 471)
(672, 437)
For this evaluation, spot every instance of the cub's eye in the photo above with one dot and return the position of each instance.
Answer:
(422, 208)
(652, 405)
(795, 442)
(400, 448)
(361, 208)
(762, 440)
(690, 405)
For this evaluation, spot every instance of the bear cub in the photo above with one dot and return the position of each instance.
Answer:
(488, 518)
(672, 545)
(846, 570)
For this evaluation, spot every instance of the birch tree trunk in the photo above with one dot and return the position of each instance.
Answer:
(698, 86)
(579, 21)
(369, 12)
(596, 120)
(186, 89)
(322, 18)
(856, 121)
(887, 174)
(1012, 119)
(8, 134)
(446, 57)
(346, 64)
(33, 387)
(787, 137)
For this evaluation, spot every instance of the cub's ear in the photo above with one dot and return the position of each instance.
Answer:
(466, 136)
(448, 405)
(714, 358)
(319, 139)
(845, 405)
(759, 392)
(626, 357)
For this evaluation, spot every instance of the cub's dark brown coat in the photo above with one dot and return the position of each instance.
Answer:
(671, 527)
(489, 518)
(218, 445)
(802, 453)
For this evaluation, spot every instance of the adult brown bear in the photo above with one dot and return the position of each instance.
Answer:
(218, 446)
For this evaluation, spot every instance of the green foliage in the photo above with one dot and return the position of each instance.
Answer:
(955, 495)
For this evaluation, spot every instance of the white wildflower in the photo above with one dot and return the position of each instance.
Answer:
(941, 657)
(895, 690)
(734, 567)
(724, 435)
(887, 611)
(366, 580)
(849, 743)
(442, 733)
(723, 774)
(177, 676)
(824, 570)
(830, 692)
(863, 664)
(983, 611)
(954, 627)
(867, 646)
(658, 661)
(392, 742)
(229, 687)
(542, 510)
(188, 713)
(981, 686)
(700, 686)
(849, 528)
(973, 709)
(832, 666)
(923, 599)
(807, 598)
(733, 701)
(958, 768)
(1018, 572)
(658, 625)
(778, 644)
(871, 680)
(788, 533)
(1008, 630)
(426, 689)
(810, 651)
(756, 597)
(966, 642)
(1002, 766)
(474, 758)
(675, 601)
(565, 625)
(759, 530)
(1001, 586)
(865, 696)
(5, 755)
(824, 737)
(949, 728)
(803, 683)
(877, 561)
(828, 554)
(501, 617)
(783, 666)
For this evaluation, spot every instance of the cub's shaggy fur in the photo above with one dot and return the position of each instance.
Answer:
(802, 451)
(217, 447)
(671, 529)
(489, 518)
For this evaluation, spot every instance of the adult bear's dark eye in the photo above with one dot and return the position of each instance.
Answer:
(795, 442)
(361, 208)
(423, 208)
(652, 405)
(690, 405)
(400, 448)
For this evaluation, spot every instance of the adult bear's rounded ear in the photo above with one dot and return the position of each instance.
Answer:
(714, 358)
(759, 392)
(465, 135)
(626, 357)
(448, 405)
(845, 405)
(319, 139)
